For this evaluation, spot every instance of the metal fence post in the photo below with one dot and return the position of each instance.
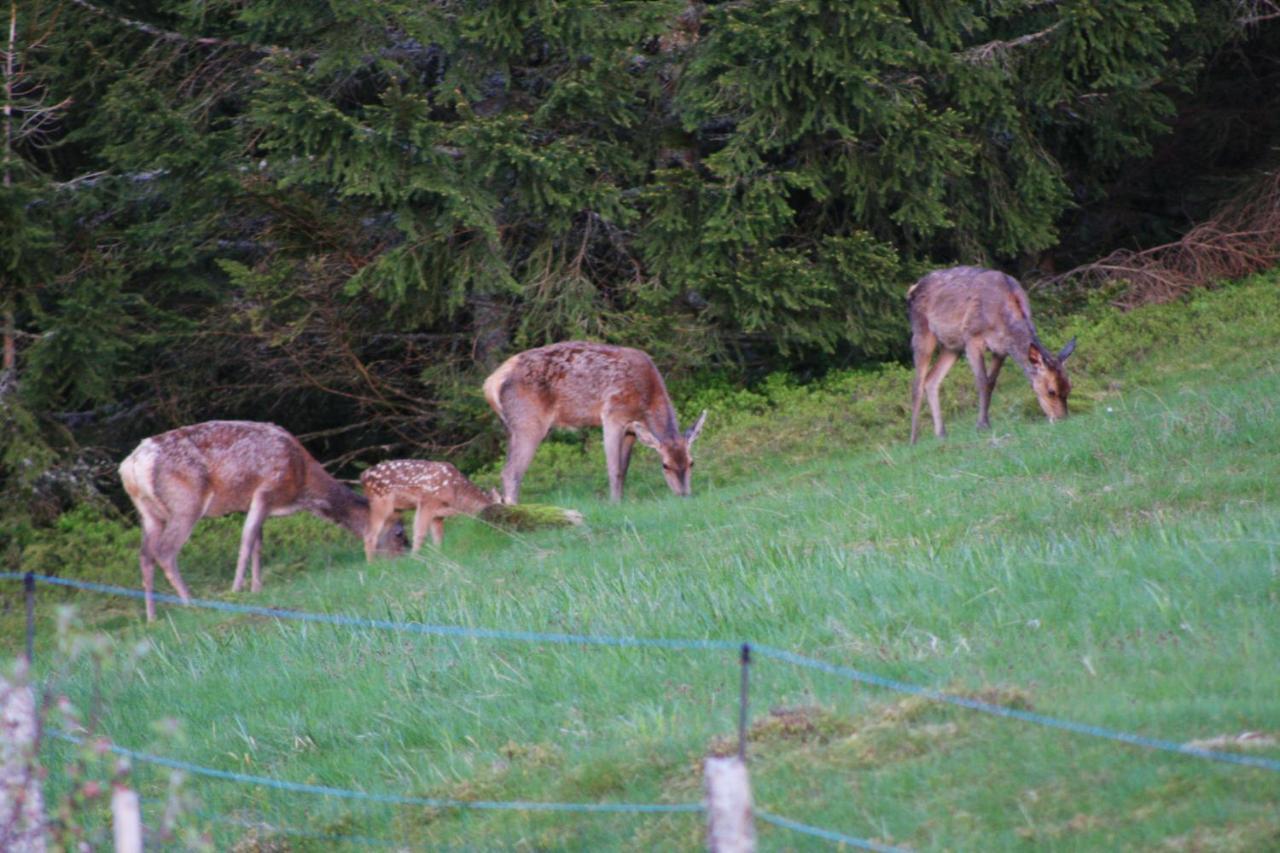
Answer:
(29, 587)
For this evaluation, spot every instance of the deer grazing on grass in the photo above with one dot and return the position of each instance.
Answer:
(972, 310)
(579, 384)
(436, 490)
(218, 467)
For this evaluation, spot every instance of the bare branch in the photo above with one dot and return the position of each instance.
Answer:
(994, 49)
(1250, 13)
(1240, 239)
(179, 38)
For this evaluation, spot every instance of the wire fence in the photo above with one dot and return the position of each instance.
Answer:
(673, 644)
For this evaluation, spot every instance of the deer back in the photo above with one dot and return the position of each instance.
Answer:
(962, 304)
(577, 384)
(407, 481)
(217, 467)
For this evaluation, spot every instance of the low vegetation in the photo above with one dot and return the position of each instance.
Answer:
(1119, 568)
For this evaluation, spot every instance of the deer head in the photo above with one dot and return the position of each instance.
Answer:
(1049, 379)
(677, 461)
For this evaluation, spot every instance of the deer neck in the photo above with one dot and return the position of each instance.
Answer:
(332, 501)
(661, 421)
(1022, 338)
(469, 497)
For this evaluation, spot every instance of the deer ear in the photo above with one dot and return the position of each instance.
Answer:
(1067, 350)
(694, 431)
(1034, 357)
(642, 433)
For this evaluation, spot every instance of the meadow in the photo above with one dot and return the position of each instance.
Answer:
(1120, 568)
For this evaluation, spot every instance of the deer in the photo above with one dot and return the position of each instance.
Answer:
(579, 384)
(975, 310)
(435, 490)
(218, 467)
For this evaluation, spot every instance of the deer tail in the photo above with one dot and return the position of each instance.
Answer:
(493, 387)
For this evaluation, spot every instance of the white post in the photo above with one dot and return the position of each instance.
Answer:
(21, 803)
(730, 828)
(126, 819)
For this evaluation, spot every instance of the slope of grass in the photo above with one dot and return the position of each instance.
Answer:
(1121, 568)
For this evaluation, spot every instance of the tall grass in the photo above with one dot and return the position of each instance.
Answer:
(1120, 568)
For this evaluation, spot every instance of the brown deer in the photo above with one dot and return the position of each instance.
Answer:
(973, 310)
(219, 467)
(436, 490)
(579, 384)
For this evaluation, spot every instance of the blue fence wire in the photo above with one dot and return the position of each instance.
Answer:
(1017, 713)
(849, 673)
(393, 799)
(827, 834)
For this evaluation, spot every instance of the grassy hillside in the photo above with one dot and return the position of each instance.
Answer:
(1121, 568)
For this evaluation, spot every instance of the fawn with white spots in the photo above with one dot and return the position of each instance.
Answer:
(436, 490)
(579, 384)
(973, 310)
(219, 467)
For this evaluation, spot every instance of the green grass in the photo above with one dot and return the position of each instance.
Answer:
(1121, 568)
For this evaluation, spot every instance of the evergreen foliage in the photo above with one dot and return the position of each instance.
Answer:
(339, 214)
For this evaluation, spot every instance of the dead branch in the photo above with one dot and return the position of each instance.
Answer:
(992, 49)
(179, 38)
(1250, 13)
(1242, 238)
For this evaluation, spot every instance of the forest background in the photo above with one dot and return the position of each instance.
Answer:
(339, 215)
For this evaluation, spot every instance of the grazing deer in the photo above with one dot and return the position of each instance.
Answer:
(436, 490)
(973, 310)
(579, 384)
(218, 467)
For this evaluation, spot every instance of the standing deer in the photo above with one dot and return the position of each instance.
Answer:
(218, 467)
(436, 490)
(973, 310)
(579, 384)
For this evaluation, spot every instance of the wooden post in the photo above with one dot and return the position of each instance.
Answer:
(730, 828)
(126, 819)
(21, 802)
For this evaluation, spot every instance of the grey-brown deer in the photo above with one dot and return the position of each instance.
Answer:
(975, 310)
(219, 467)
(579, 384)
(435, 490)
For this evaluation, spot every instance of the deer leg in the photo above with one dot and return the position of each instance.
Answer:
(253, 520)
(931, 384)
(151, 530)
(177, 530)
(922, 347)
(421, 518)
(255, 563)
(437, 530)
(521, 445)
(997, 362)
(974, 351)
(379, 512)
(614, 436)
(624, 459)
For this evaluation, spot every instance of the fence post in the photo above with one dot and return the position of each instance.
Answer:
(21, 802)
(29, 587)
(126, 819)
(730, 827)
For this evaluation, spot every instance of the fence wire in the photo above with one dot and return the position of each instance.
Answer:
(845, 672)
(675, 644)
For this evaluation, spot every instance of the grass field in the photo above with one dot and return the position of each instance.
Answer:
(1121, 568)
